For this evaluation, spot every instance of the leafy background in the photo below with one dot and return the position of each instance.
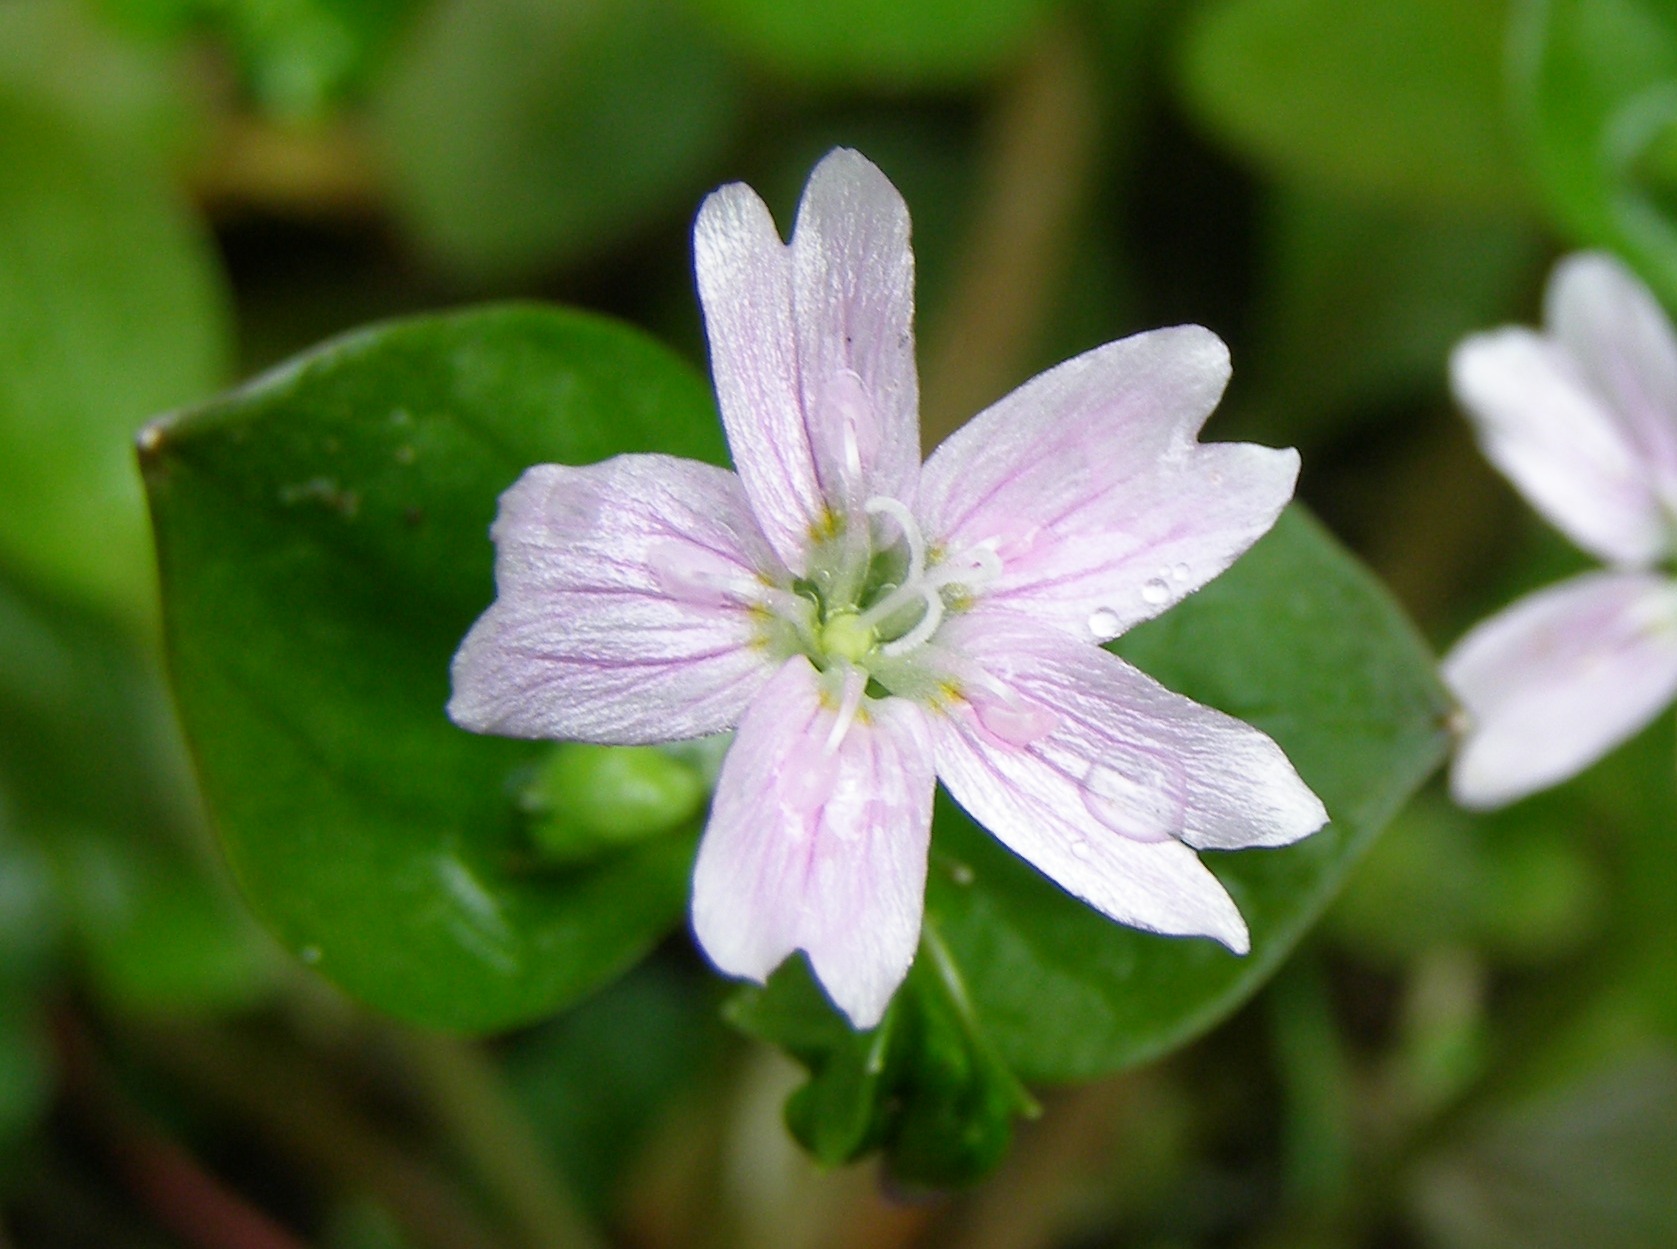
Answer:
(341, 975)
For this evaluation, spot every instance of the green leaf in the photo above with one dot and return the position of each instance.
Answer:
(1402, 102)
(926, 1084)
(1597, 85)
(1296, 639)
(879, 43)
(322, 536)
(526, 134)
(111, 309)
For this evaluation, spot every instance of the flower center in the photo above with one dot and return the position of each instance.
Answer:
(846, 638)
(876, 594)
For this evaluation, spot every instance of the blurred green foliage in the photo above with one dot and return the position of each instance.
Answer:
(598, 118)
(1474, 1050)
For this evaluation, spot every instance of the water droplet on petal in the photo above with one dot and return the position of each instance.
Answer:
(1156, 591)
(806, 781)
(1179, 572)
(1081, 849)
(695, 575)
(1104, 623)
(1146, 801)
(1014, 721)
(857, 424)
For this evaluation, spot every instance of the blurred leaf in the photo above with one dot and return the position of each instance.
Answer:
(1401, 102)
(111, 309)
(29, 909)
(302, 57)
(1517, 884)
(360, 1223)
(879, 43)
(25, 1069)
(93, 776)
(1597, 84)
(86, 732)
(526, 134)
(1296, 639)
(117, 90)
(298, 58)
(322, 536)
(158, 937)
(1590, 1164)
(599, 1081)
(1364, 301)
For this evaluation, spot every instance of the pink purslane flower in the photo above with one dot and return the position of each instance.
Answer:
(1582, 417)
(868, 624)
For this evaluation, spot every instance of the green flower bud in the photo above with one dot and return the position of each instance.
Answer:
(588, 800)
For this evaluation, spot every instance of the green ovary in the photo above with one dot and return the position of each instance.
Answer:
(844, 637)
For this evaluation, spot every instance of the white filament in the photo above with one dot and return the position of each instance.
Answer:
(855, 684)
(880, 505)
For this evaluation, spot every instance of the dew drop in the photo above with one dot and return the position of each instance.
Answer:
(808, 781)
(1015, 721)
(310, 954)
(693, 574)
(1147, 801)
(1104, 623)
(961, 874)
(1081, 849)
(1179, 572)
(1156, 591)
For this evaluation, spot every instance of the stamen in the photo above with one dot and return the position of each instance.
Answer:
(922, 632)
(978, 567)
(881, 505)
(850, 700)
(905, 594)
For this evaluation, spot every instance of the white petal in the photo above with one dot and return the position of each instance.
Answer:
(1542, 425)
(853, 290)
(1118, 779)
(812, 347)
(624, 609)
(817, 848)
(1089, 485)
(745, 285)
(1616, 331)
(1554, 682)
